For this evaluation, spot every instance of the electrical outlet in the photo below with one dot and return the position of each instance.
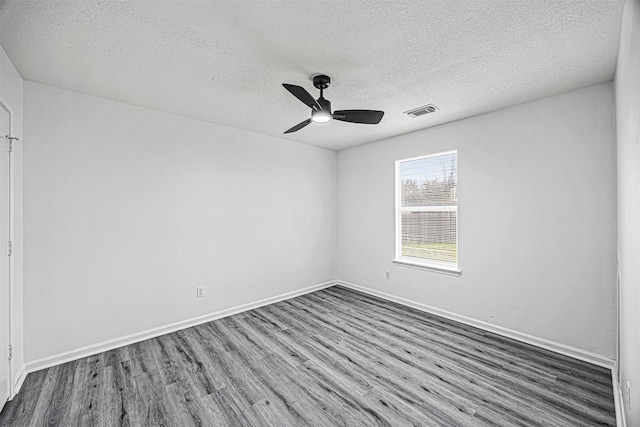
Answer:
(628, 395)
(388, 275)
(199, 292)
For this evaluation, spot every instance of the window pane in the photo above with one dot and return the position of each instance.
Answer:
(431, 181)
(430, 235)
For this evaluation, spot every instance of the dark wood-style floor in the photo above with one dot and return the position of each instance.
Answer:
(333, 357)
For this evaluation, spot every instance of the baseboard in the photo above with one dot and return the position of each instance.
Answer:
(17, 385)
(618, 400)
(563, 349)
(90, 350)
(68, 356)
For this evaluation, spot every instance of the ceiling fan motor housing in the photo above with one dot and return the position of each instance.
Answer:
(325, 104)
(321, 81)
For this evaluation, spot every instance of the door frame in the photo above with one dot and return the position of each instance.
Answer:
(10, 236)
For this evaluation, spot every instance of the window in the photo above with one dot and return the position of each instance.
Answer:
(427, 212)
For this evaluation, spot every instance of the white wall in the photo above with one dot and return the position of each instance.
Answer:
(11, 95)
(628, 142)
(128, 210)
(537, 218)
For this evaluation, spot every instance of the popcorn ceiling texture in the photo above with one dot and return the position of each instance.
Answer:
(224, 61)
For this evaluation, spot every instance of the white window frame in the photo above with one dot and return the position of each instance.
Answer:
(421, 263)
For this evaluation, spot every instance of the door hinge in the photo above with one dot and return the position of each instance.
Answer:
(9, 248)
(10, 352)
(10, 140)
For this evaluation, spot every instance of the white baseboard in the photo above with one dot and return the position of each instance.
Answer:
(563, 349)
(68, 356)
(618, 401)
(22, 374)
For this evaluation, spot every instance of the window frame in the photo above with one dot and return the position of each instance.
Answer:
(423, 263)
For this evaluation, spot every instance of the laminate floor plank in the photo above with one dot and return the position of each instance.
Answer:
(46, 399)
(271, 412)
(233, 408)
(457, 332)
(123, 385)
(507, 385)
(111, 402)
(116, 356)
(334, 364)
(93, 373)
(239, 374)
(267, 316)
(142, 360)
(512, 366)
(189, 408)
(335, 357)
(276, 381)
(401, 328)
(73, 415)
(61, 398)
(403, 412)
(152, 399)
(167, 357)
(246, 343)
(388, 339)
(202, 364)
(19, 411)
(268, 338)
(331, 404)
(449, 407)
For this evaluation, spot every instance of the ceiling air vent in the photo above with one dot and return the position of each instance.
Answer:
(421, 111)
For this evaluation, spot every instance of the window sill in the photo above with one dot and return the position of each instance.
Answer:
(405, 262)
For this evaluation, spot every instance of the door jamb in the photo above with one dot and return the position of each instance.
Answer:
(10, 236)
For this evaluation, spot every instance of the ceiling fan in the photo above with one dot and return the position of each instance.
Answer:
(321, 108)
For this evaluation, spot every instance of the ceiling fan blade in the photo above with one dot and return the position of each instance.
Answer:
(302, 94)
(370, 117)
(298, 126)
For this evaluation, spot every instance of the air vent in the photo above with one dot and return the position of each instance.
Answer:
(421, 111)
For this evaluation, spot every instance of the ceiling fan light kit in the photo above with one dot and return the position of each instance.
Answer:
(322, 116)
(321, 107)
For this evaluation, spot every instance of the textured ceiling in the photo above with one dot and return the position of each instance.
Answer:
(224, 61)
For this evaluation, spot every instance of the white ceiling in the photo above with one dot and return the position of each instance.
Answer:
(224, 61)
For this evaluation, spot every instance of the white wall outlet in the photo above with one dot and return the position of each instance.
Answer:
(628, 395)
(388, 275)
(199, 292)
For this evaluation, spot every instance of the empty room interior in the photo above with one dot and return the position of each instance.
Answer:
(287, 213)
